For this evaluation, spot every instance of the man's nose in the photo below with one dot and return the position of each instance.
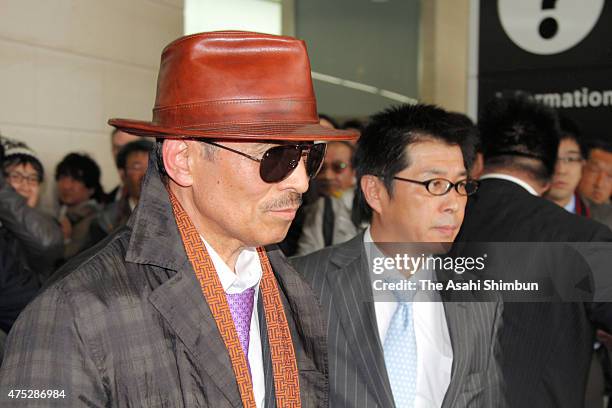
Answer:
(452, 202)
(327, 172)
(298, 179)
(600, 178)
(560, 167)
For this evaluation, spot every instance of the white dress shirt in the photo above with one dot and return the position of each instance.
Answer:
(248, 274)
(571, 206)
(434, 348)
(513, 179)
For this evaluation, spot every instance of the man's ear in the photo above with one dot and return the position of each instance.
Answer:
(176, 161)
(544, 187)
(374, 191)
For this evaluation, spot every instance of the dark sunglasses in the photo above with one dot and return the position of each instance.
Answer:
(337, 166)
(278, 162)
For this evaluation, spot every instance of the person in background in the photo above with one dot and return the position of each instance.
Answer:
(337, 176)
(354, 124)
(289, 245)
(568, 170)
(24, 172)
(39, 233)
(462, 124)
(118, 140)
(327, 121)
(329, 220)
(132, 161)
(546, 346)
(80, 194)
(29, 239)
(596, 182)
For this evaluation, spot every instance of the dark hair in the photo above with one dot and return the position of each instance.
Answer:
(570, 130)
(461, 123)
(344, 143)
(517, 132)
(143, 146)
(19, 159)
(329, 119)
(353, 124)
(600, 144)
(381, 149)
(82, 168)
(159, 159)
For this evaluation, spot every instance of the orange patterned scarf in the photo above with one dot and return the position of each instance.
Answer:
(284, 364)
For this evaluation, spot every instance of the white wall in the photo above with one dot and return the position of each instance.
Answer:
(67, 66)
(262, 16)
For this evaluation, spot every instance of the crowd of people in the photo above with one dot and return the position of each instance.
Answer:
(135, 295)
(38, 244)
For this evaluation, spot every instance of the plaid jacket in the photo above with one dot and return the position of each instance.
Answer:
(126, 325)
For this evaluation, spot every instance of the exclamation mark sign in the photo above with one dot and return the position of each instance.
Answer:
(549, 26)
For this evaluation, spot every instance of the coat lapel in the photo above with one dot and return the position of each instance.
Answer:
(309, 330)
(181, 303)
(350, 286)
(155, 240)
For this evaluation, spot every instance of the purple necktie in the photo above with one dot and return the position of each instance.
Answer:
(241, 308)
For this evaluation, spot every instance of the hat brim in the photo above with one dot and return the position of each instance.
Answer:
(239, 131)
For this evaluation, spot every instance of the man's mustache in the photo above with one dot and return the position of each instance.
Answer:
(290, 200)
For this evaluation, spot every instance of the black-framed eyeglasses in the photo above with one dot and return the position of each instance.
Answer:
(570, 160)
(278, 162)
(441, 186)
(18, 178)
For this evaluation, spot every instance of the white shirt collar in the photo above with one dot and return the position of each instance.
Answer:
(372, 251)
(512, 179)
(367, 237)
(571, 206)
(248, 270)
(347, 198)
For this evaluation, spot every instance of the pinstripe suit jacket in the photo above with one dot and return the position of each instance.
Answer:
(126, 325)
(357, 373)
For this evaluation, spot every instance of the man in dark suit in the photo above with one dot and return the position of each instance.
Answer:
(118, 140)
(132, 161)
(184, 307)
(389, 351)
(546, 346)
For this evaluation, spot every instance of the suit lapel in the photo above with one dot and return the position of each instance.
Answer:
(181, 303)
(350, 286)
(308, 330)
(456, 319)
(458, 306)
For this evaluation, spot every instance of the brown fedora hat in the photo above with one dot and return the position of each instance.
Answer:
(235, 85)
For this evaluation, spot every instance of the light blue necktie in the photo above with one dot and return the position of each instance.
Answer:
(401, 356)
